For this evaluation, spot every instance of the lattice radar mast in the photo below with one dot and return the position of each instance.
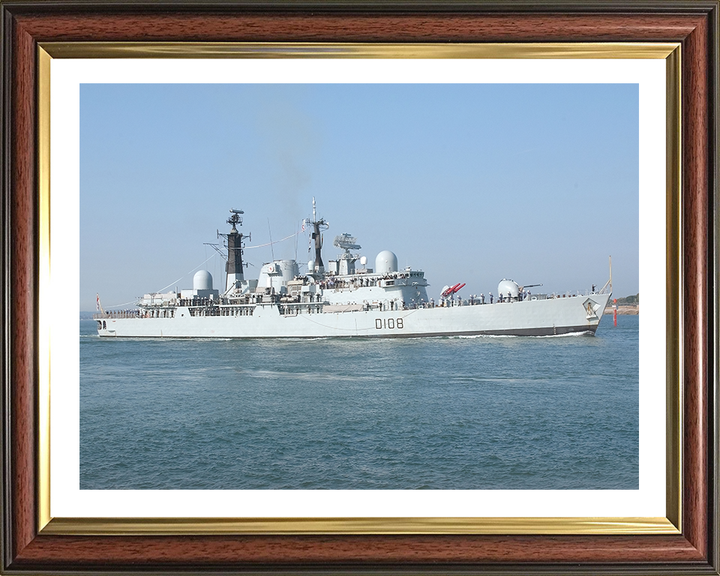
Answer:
(316, 235)
(235, 243)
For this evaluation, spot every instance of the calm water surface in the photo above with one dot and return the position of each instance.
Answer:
(430, 413)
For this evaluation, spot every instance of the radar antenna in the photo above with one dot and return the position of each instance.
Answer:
(235, 218)
(346, 261)
(347, 243)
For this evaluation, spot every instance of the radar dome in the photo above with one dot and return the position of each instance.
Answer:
(386, 262)
(202, 280)
(508, 287)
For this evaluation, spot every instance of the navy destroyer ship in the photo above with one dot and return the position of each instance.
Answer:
(345, 300)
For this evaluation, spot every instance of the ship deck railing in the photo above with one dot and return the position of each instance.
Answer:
(113, 314)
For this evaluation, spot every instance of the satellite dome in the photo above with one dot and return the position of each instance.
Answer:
(202, 280)
(386, 262)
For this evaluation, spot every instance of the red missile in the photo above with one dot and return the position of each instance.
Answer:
(456, 288)
(451, 290)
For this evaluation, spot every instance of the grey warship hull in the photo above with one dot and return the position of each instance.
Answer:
(344, 302)
(542, 317)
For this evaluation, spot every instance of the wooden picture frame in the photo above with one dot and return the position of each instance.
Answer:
(27, 548)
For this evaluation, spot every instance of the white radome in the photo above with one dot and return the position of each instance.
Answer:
(386, 262)
(202, 280)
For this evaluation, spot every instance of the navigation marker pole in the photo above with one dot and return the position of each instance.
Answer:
(614, 299)
(615, 312)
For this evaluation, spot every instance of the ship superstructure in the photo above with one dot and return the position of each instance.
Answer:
(344, 300)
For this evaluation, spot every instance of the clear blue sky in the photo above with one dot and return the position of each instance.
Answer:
(470, 183)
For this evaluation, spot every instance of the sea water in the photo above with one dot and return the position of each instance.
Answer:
(425, 413)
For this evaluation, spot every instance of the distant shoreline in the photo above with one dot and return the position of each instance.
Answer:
(624, 310)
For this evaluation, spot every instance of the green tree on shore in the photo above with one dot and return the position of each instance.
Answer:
(629, 300)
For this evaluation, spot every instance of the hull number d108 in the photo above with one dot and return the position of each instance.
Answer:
(389, 323)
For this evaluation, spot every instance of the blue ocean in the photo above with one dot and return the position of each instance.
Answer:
(427, 413)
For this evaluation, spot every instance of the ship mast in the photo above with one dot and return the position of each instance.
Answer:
(318, 225)
(234, 266)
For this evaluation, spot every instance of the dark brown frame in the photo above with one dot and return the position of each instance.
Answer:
(692, 23)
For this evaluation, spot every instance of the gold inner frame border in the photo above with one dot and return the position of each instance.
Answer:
(671, 524)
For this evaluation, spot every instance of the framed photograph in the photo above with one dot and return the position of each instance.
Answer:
(480, 141)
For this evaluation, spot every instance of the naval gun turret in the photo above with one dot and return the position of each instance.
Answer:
(509, 290)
